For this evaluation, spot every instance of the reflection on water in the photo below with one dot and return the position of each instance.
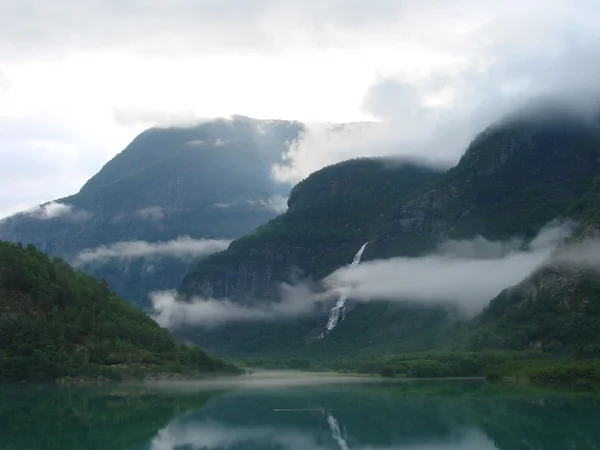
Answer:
(402, 416)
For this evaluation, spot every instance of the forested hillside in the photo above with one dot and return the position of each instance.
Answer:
(514, 178)
(56, 321)
(209, 181)
(557, 308)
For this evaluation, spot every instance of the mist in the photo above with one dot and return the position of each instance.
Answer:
(55, 210)
(466, 273)
(184, 247)
(172, 310)
(433, 118)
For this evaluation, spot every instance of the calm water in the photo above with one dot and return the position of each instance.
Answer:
(423, 415)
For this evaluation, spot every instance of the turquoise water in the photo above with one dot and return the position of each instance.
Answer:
(424, 415)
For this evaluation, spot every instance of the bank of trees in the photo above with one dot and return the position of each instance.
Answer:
(56, 321)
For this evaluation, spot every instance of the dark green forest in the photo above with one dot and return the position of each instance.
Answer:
(514, 178)
(58, 322)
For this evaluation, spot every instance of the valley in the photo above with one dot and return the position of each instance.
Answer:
(373, 259)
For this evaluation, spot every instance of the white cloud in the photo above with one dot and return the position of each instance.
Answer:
(433, 118)
(49, 211)
(433, 72)
(54, 210)
(172, 311)
(183, 247)
(467, 273)
(276, 203)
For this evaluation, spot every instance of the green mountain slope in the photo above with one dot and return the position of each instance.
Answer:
(514, 178)
(557, 308)
(210, 181)
(331, 214)
(55, 321)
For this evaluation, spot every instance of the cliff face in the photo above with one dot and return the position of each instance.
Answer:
(211, 181)
(513, 179)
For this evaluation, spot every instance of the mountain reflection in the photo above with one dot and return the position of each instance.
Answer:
(403, 416)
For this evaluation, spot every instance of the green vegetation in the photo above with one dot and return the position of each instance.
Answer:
(205, 181)
(57, 322)
(513, 179)
(331, 214)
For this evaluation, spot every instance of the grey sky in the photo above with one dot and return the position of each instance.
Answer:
(79, 79)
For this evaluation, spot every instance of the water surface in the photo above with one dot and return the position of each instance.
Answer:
(313, 414)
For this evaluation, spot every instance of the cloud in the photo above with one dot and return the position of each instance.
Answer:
(151, 213)
(237, 25)
(466, 273)
(172, 311)
(276, 203)
(579, 255)
(49, 211)
(433, 73)
(129, 117)
(183, 247)
(54, 210)
(432, 116)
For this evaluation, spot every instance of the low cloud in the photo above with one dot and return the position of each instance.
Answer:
(433, 118)
(136, 117)
(150, 213)
(55, 210)
(468, 273)
(583, 255)
(276, 203)
(184, 247)
(172, 311)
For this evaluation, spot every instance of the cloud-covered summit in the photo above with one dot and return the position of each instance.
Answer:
(432, 73)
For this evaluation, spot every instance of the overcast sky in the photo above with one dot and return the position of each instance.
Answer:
(80, 78)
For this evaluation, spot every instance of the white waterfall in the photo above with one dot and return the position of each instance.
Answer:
(334, 314)
(335, 432)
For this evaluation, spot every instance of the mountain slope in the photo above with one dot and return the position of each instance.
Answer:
(55, 322)
(331, 215)
(210, 181)
(514, 178)
(557, 308)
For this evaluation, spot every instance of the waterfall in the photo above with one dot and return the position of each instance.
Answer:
(335, 432)
(334, 314)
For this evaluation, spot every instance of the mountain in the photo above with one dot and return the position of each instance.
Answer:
(55, 322)
(556, 308)
(514, 178)
(211, 181)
